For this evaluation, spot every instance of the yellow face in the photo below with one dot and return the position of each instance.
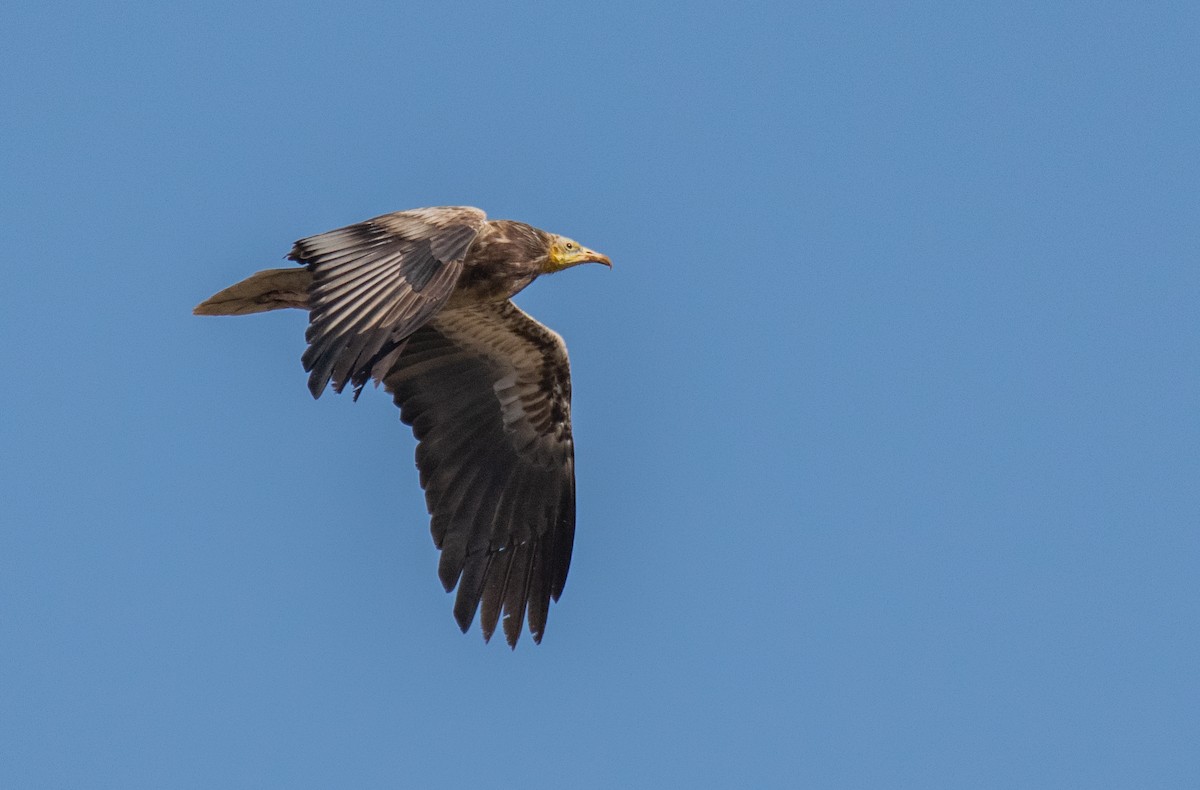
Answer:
(565, 253)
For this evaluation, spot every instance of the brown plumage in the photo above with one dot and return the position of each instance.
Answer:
(419, 300)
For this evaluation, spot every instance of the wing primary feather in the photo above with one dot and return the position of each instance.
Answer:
(564, 542)
(497, 578)
(516, 592)
(539, 593)
(470, 589)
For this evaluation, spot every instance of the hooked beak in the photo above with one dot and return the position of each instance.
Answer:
(591, 256)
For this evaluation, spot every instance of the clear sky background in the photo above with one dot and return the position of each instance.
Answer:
(887, 422)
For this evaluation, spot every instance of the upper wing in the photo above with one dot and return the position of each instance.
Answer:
(487, 391)
(374, 283)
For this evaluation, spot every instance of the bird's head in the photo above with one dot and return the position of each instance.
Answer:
(565, 253)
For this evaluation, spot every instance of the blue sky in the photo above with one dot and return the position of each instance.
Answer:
(886, 417)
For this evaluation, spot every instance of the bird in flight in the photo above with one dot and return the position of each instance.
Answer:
(419, 301)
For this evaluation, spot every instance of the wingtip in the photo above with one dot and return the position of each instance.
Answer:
(512, 634)
(463, 619)
(512, 638)
(316, 385)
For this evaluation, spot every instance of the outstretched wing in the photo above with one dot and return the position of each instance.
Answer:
(487, 391)
(374, 283)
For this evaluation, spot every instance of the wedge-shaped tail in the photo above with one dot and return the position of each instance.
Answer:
(272, 289)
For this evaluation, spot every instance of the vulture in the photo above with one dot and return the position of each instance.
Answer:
(419, 301)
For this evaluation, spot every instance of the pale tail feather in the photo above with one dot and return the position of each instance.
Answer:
(272, 289)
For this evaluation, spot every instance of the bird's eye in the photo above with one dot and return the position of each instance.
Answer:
(570, 246)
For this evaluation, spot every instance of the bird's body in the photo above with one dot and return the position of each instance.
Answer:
(419, 301)
(503, 259)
